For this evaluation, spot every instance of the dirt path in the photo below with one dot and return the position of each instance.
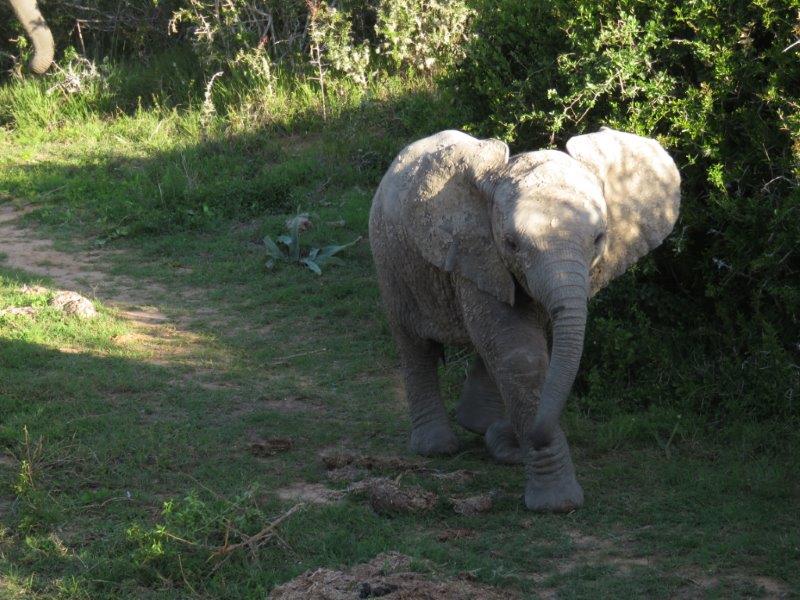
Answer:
(85, 272)
(88, 272)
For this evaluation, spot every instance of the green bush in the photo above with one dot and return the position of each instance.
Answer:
(425, 35)
(711, 322)
(348, 37)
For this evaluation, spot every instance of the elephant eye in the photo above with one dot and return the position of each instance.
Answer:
(599, 246)
(511, 243)
(598, 241)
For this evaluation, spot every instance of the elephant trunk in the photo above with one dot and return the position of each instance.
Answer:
(36, 28)
(560, 283)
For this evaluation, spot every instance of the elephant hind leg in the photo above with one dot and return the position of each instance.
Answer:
(480, 404)
(502, 443)
(430, 430)
(481, 410)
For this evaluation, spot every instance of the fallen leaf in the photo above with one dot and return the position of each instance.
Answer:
(271, 446)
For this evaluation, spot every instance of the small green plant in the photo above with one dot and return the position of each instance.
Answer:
(314, 258)
(30, 457)
(205, 530)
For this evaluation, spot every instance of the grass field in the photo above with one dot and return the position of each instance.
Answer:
(136, 449)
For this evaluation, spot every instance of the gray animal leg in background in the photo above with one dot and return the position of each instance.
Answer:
(480, 404)
(502, 443)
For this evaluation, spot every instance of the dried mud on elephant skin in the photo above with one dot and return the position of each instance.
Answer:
(385, 576)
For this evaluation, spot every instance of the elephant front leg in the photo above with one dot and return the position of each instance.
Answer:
(550, 475)
(513, 344)
(551, 485)
(430, 431)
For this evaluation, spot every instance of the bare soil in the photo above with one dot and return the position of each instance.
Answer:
(385, 576)
(82, 272)
(164, 339)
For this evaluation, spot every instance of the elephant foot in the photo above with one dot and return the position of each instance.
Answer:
(560, 497)
(501, 441)
(432, 439)
(551, 484)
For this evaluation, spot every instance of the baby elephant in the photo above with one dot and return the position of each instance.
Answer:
(474, 248)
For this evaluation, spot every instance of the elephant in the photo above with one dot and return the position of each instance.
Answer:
(476, 248)
(34, 24)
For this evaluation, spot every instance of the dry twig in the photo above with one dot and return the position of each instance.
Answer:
(257, 540)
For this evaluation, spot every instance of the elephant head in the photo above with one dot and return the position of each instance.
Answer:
(34, 24)
(561, 225)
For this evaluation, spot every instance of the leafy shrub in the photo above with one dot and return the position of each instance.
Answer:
(712, 320)
(221, 31)
(424, 35)
(332, 31)
(417, 34)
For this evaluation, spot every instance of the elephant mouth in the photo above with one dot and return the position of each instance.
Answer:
(521, 293)
(524, 299)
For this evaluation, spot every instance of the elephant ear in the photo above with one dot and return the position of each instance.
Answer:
(447, 207)
(641, 185)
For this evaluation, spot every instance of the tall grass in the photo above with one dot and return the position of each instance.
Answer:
(167, 151)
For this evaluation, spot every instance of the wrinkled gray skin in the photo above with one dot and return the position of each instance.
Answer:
(475, 249)
(34, 24)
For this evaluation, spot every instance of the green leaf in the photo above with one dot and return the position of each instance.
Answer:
(312, 265)
(272, 248)
(285, 240)
(328, 251)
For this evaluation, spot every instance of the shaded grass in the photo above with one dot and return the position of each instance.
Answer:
(706, 507)
(177, 165)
